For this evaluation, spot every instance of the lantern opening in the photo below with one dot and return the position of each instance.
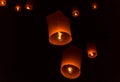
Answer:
(28, 6)
(18, 8)
(70, 71)
(92, 54)
(75, 13)
(91, 50)
(60, 38)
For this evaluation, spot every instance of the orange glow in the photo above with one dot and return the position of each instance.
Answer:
(71, 62)
(91, 49)
(18, 8)
(3, 3)
(59, 35)
(28, 6)
(94, 5)
(70, 69)
(91, 54)
(59, 29)
(75, 12)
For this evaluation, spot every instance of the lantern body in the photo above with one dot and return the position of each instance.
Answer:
(29, 6)
(94, 6)
(3, 2)
(18, 8)
(59, 29)
(75, 12)
(71, 63)
(91, 50)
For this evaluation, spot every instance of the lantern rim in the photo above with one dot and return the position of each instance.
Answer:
(73, 75)
(66, 39)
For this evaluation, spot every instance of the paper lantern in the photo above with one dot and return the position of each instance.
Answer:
(94, 6)
(75, 12)
(59, 29)
(91, 50)
(71, 62)
(3, 2)
(18, 8)
(29, 6)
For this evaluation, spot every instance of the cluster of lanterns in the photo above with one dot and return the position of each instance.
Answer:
(18, 7)
(29, 6)
(71, 60)
(60, 35)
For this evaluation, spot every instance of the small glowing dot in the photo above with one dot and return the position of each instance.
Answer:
(94, 6)
(28, 7)
(18, 8)
(2, 3)
(91, 54)
(70, 69)
(76, 14)
(59, 35)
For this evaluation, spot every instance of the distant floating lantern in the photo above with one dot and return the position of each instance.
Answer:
(3, 2)
(71, 62)
(18, 8)
(94, 6)
(91, 50)
(75, 12)
(29, 6)
(59, 29)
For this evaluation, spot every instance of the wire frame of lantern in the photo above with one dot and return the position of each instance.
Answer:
(29, 6)
(91, 50)
(18, 8)
(3, 2)
(59, 29)
(71, 62)
(75, 12)
(94, 5)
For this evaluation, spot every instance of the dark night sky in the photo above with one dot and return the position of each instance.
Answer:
(27, 56)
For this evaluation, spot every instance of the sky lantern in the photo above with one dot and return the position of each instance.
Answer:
(59, 29)
(91, 50)
(18, 8)
(3, 2)
(29, 6)
(71, 62)
(94, 6)
(75, 12)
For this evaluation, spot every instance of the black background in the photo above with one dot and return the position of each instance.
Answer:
(27, 56)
